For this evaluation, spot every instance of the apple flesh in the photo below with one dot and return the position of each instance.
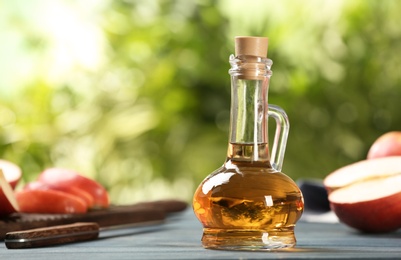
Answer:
(365, 195)
(12, 172)
(8, 202)
(49, 201)
(389, 144)
(58, 178)
(363, 170)
(370, 206)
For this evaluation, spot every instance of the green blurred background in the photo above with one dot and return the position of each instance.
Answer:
(136, 93)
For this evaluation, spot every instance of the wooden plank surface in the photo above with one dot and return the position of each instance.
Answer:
(180, 238)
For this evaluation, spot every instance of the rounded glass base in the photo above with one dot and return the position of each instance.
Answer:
(250, 240)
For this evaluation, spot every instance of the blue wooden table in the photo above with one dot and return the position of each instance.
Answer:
(179, 238)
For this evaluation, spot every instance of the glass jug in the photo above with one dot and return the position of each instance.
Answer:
(248, 203)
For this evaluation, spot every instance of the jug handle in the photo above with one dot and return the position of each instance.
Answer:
(280, 136)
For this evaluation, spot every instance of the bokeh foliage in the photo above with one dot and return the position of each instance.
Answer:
(136, 93)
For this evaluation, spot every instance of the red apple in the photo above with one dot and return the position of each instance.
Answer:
(12, 172)
(370, 206)
(388, 144)
(49, 201)
(8, 203)
(37, 185)
(365, 195)
(64, 179)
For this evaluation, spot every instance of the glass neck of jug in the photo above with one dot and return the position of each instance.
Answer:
(248, 137)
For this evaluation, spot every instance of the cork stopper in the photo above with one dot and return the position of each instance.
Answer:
(248, 45)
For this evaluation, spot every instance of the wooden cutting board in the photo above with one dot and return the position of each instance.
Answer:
(114, 215)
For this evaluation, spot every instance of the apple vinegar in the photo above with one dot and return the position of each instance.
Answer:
(248, 203)
(244, 198)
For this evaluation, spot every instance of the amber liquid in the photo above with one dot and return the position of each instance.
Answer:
(247, 205)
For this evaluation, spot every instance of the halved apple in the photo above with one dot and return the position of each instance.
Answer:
(366, 195)
(8, 203)
(49, 201)
(64, 179)
(370, 206)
